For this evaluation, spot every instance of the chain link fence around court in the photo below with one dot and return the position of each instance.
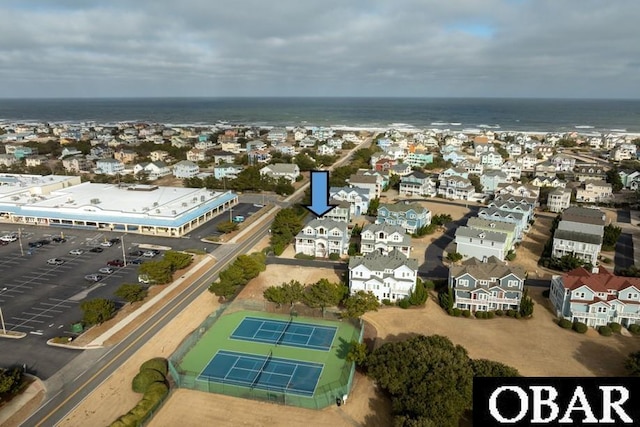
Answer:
(324, 395)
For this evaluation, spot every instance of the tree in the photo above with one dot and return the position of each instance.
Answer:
(227, 227)
(324, 294)
(178, 260)
(131, 292)
(97, 311)
(304, 162)
(359, 303)
(475, 181)
(10, 380)
(274, 294)
(613, 178)
(292, 291)
(526, 304)
(374, 204)
(284, 187)
(426, 377)
(251, 265)
(284, 227)
(358, 353)
(419, 295)
(159, 272)
(632, 364)
(454, 256)
(610, 237)
(501, 150)
(489, 368)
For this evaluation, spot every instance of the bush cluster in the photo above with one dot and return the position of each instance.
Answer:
(605, 331)
(151, 380)
(243, 269)
(615, 327)
(565, 323)
(634, 329)
(466, 313)
(387, 302)
(499, 313)
(580, 327)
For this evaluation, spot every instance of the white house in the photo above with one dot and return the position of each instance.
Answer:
(109, 166)
(289, 171)
(481, 244)
(154, 170)
(323, 237)
(559, 199)
(391, 277)
(594, 192)
(185, 169)
(579, 233)
(384, 238)
(358, 198)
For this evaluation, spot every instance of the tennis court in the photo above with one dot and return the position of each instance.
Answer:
(292, 334)
(263, 372)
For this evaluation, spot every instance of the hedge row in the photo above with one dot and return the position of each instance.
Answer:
(604, 330)
(151, 380)
(456, 312)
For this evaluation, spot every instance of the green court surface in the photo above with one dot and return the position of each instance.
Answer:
(334, 380)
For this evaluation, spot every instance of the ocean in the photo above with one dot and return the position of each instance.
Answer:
(535, 115)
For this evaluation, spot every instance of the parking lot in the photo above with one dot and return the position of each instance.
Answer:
(43, 300)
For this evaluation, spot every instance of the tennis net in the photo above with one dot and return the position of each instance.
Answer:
(284, 331)
(257, 378)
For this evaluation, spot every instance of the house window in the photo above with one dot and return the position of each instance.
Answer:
(463, 282)
(602, 309)
(579, 295)
(512, 283)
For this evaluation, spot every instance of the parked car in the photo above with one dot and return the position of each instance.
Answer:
(149, 254)
(76, 251)
(93, 277)
(136, 253)
(106, 244)
(136, 261)
(238, 219)
(55, 261)
(115, 263)
(97, 249)
(9, 238)
(35, 244)
(115, 240)
(58, 239)
(144, 278)
(44, 241)
(3, 243)
(106, 270)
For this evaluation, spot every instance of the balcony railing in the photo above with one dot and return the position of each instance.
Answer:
(510, 301)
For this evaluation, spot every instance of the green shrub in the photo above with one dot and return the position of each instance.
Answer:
(605, 331)
(386, 301)
(429, 284)
(580, 327)
(634, 329)
(129, 420)
(157, 391)
(481, 314)
(300, 255)
(491, 314)
(518, 315)
(499, 312)
(456, 312)
(157, 363)
(145, 378)
(615, 327)
(466, 313)
(545, 293)
(511, 313)
(334, 256)
(450, 311)
(565, 323)
(404, 303)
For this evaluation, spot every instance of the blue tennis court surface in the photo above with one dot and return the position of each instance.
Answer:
(293, 334)
(263, 372)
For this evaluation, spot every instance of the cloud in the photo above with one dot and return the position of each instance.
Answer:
(576, 48)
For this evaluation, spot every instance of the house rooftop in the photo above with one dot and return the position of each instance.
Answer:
(602, 281)
(474, 233)
(375, 261)
(490, 270)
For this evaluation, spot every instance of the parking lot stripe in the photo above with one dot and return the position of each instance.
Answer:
(27, 320)
(37, 315)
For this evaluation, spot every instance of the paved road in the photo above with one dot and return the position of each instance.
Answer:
(107, 361)
(624, 251)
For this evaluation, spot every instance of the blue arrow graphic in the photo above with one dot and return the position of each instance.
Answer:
(320, 193)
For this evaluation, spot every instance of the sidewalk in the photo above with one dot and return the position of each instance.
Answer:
(10, 414)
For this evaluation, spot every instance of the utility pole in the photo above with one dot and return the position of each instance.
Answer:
(20, 241)
(124, 255)
(4, 330)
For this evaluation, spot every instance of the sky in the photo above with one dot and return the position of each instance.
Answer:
(385, 48)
